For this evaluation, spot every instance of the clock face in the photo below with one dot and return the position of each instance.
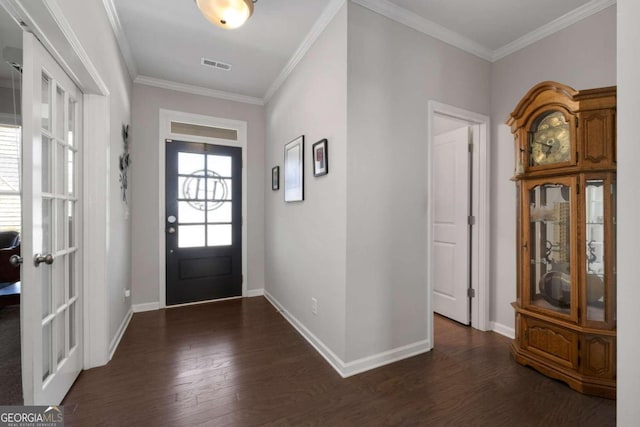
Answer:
(550, 141)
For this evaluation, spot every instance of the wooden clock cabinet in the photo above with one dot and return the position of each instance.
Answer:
(565, 176)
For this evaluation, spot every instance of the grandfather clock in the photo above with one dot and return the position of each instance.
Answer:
(566, 229)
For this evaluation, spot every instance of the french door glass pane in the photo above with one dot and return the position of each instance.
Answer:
(60, 169)
(59, 324)
(46, 225)
(71, 221)
(72, 326)
(219, 189)
(60, 222)
(190, 163)
(46, 351)
(71, 117)
(191, 236)
(219, 235)
(60, 110)
(45, 275)
(219, 211)
(192, 187)
(72, 274)
(46, 103)
(58, 282)
(220, 165)
(47, 152)
(191, 212)
(70, 183)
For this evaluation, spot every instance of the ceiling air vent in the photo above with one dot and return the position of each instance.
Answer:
(216, 64)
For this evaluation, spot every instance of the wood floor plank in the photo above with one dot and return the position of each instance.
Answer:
(240, 363)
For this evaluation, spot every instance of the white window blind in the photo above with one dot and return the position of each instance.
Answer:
(10, 177)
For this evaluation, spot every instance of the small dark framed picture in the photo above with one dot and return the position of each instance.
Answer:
(320, 158)
(275, 178)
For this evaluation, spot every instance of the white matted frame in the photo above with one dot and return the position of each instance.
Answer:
(166, 117)
(480, 248)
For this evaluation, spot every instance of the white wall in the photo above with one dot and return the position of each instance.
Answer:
(582, 56)
(91, 25)
(305, 241)
(628, 206)
(145, 146)
(393, 72)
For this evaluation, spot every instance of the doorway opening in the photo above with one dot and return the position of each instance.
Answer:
(458, 216)
(10, 210)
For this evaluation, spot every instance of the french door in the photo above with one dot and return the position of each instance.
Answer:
(203, 222)
(51, 268)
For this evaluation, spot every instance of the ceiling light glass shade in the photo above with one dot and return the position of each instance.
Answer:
(226, 13)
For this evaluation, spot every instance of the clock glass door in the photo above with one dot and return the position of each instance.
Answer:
(549, 246)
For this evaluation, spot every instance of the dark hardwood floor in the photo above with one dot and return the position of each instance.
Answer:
(240, 363)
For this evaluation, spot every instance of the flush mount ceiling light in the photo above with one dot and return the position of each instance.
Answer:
(226, 13)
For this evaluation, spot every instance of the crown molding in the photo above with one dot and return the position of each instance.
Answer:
(318, 28)
(197, 90)
(125, 49)
(425, 26)
(558, 24)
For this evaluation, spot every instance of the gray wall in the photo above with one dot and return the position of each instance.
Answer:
(145, 146)
(7, 96)
(582, 56)
(628, 206)
(393, 72)
(305, 242)
(91, 24)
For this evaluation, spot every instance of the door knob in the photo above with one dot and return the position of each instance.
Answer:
(39, 259)
(15, 260)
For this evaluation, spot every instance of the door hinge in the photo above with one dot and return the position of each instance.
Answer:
(241, 279)
(471, 220)
(471, 293)
(577, 121)
(168, 140)
(471, 147)
(578, 188)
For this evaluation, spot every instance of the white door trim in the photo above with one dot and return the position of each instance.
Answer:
(480, 209)
(166, 117)
(46, 20)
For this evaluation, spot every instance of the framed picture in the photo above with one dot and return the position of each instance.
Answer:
(320, 158)
(275, 178)
(294, 170)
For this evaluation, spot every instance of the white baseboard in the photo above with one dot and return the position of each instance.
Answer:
(255, 293)
(320, 347)
(357, 366)
(121, 330)
(503, 330)
(149, 306)
(385, 358)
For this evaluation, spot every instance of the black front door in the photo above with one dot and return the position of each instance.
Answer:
(203, 222)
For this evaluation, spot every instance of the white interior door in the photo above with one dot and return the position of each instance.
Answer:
(51, 298)
(450, 241)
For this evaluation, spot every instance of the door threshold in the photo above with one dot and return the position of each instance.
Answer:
(186, 304)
